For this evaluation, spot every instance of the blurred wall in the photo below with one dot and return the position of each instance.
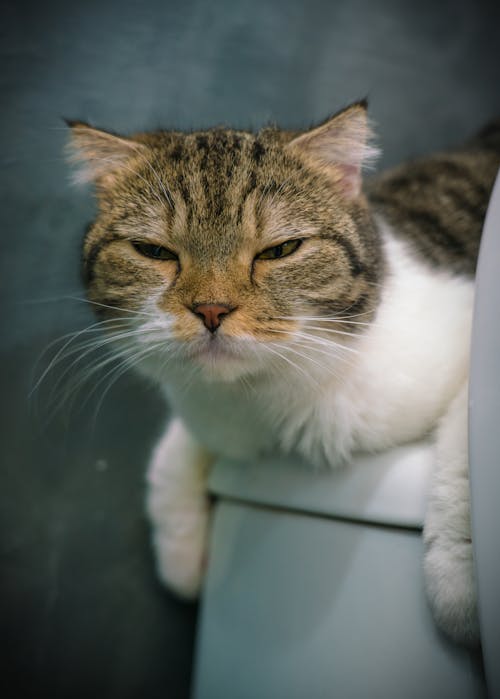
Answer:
(81, 611)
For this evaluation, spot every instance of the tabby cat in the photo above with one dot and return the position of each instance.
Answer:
(280, 307)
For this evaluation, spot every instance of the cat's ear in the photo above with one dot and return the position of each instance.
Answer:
(99, 155)
(341, 145)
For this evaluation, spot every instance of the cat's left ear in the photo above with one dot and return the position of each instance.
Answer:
(100, 155)
(341, 145)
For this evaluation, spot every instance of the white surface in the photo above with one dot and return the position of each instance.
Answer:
(299, 607)
(484, 441)
(388, 488)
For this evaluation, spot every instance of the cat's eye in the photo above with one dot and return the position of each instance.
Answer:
(156, 252)
(281, 250)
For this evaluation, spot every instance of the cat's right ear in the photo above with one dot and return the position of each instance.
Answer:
(341, 146)
(99, 155)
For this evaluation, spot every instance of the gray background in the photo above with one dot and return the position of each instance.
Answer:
(81, 613)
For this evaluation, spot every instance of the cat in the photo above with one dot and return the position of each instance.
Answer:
(283, 305)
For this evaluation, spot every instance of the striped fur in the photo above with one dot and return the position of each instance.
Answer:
(218, 198)
(439, 202)
(215, 196)
(356, 340)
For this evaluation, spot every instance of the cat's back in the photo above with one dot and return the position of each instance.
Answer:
(439, 202)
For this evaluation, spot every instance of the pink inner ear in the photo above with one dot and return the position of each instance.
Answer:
(99, 154)
(342, 143)
(350, 181)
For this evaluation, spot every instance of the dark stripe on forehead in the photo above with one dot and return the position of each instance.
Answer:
(249, 188)
(258, 151)
(184, 189)
(221, 141)
(235, 145)
(202, 146)
(177, 153)
(202, 142)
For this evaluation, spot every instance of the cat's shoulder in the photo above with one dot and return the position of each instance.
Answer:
(438, 203)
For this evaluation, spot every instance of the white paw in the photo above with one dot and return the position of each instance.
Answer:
(180, 543)
(179, 510)
(451, 590)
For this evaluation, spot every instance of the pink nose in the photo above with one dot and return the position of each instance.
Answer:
(211, 314)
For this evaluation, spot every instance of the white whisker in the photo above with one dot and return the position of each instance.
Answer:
(326, 350)
(322, 330)
(323, 367)
(330, 320)
(273, 350)
(84, 349)
(332, 331)
(327, 342)
(60, 354)
(117, 372)
(299, 333)
(93, 328)
(57, 398)
(114, 308)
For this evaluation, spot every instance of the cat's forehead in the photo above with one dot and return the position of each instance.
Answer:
(220, 145)
(222, 165)
(227, 187)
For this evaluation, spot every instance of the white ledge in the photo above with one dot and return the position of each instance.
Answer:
(389, 488)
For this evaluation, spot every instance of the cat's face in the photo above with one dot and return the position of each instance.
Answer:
(229, 251)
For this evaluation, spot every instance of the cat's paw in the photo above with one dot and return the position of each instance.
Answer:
(451, 589)
(179, 510)
(180, 544)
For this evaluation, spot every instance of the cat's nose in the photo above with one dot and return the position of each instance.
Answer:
(211, 313)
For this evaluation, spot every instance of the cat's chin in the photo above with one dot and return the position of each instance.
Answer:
(222, 371)
(217, 361)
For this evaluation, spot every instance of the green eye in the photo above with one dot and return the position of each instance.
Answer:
(278, 251)
(156, 252)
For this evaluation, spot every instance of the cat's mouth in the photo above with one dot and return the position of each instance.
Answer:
(223, 358)
(213, 349)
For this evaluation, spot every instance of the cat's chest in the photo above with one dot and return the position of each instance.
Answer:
(403, 373)
(414, 358)
(227, 419)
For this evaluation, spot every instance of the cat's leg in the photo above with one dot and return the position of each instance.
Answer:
(178, 507)
(449, 570)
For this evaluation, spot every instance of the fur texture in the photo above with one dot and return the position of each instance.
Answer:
(280, 308)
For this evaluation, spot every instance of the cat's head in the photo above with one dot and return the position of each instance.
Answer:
(231, 251)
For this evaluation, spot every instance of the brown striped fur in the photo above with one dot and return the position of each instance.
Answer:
(218, 198)
(192, 221)
(439, 202)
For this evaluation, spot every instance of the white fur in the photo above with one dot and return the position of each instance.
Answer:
(449, 570)
(392, 388)
(177, 505)
(391, 384)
